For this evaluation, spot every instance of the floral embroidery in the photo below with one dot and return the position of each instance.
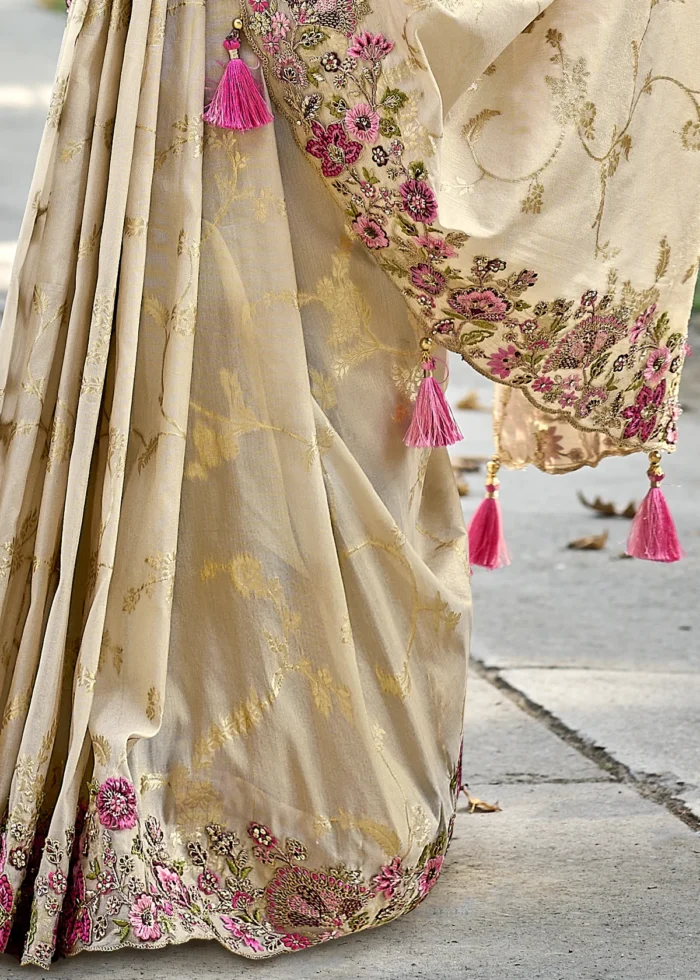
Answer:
(116, 804)
(585, 362)
(115, 882)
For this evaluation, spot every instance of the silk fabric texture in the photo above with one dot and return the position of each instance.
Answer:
(235, 608)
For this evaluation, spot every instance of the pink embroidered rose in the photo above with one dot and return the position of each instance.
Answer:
(430, 875)
(641, 417)
(333, 148)
(362, 122)
(418, 200)
(641, 323)
(116, 804)
(480, 304)
(239, 930)
(389, 878)
(657, 365)
(437, 248)
(370, 47)
(143, 917)
(293, 941)
(425, 277)
(505, 360)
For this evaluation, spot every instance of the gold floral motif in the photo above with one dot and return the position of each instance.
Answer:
(154, 706)
(18, 550)
(163, 573)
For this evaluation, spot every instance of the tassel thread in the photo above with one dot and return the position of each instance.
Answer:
(653, 534)
(433, 423)
(237, 103)
(487, 543)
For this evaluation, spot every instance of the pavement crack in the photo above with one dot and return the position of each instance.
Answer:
(648, 785)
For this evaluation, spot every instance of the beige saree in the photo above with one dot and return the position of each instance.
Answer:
(234, 607)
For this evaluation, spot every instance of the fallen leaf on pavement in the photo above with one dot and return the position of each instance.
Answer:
(470, 402)
(607, 508)
(479, 806)
(468, 464)
(594, 542)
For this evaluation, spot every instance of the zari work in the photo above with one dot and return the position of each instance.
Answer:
(234, 608)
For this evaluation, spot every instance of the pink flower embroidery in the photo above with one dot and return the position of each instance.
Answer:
(389, 878)
(567, 399)
(259, 5)
(362, 122)
(542, 384)
(280, 24)
(172, 884)
(641, 323)
(437, 248)
(480, 304)
(75, 923)
(116, 804)
(504, 361)
(57, 881)
(657, 365)
(208, 881)
(370, 47)
(590, 400)
(430, 875)
(370, 231)
(333, 148)
(261, 835)
(6, 903)
(143, 916)
(238, 930)
(418, 200)
(292, 70)
(292, 940)
(425, 277)
(642, 415)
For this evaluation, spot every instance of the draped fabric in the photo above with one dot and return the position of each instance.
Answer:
(234, 608)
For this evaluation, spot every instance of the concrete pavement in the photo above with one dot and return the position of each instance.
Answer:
(583, 715)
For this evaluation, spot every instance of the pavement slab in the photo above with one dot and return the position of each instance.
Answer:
(650, 722)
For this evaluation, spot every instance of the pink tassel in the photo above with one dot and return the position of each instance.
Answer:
(653, 534)
(487, 544)
(237, 103)
(432, 424)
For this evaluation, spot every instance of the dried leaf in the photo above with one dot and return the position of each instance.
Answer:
(594, 542)
(607, 508)
(468, 464)
(470, 402)
(479, 806)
